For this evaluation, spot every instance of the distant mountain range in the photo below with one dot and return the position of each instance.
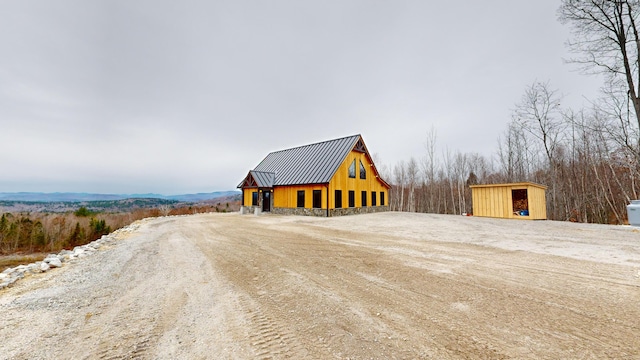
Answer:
(80, 197)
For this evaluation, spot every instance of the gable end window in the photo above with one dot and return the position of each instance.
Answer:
(352, 169)
(363, 171)
(338, 199)
(317, 199)
(300, 198)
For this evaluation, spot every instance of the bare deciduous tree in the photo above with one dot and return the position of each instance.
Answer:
(606, 33)
(514, 154)
(412, 180)
(400, 178)
(429, 168)
(539, 114)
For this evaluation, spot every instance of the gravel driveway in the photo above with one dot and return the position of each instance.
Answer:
(378, 286)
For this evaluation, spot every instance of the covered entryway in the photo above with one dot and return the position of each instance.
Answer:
(257, 190)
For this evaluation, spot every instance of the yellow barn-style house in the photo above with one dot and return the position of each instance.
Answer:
(334, 177)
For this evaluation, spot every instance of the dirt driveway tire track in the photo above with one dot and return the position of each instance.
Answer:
(379, 286)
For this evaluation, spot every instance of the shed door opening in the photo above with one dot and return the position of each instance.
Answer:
(520, 202)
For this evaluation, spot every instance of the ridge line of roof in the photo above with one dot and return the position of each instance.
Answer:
(317, 143)
(262, 172)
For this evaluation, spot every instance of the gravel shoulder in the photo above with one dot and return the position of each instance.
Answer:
(381, 286)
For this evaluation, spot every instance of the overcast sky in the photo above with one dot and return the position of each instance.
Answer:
(187, 96)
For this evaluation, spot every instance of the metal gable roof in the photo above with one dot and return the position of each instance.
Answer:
(263, 179)
(308, 164)
(258, 179)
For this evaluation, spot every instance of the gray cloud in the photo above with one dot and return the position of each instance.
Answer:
(128, 96)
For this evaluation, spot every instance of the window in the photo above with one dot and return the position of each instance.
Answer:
(352, 198)
(364, 199)
(254, 198)
(300, 198)
(363, 171)
(352, 169)
(317, 199)
(373, 199)
(381, 198)
(338, 199)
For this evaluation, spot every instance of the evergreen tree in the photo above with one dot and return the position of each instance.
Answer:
(82, 212)
(77, 235)
(38, 236)
(4, 226)
(98, 228)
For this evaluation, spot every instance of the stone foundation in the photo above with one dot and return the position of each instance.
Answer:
(300, 211)
(332, 212)
(250, 210)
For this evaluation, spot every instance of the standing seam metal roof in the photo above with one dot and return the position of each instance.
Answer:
(308, 164)
(263, 179)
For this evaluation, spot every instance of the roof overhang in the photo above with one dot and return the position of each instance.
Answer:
(258, 179)
(517, 184)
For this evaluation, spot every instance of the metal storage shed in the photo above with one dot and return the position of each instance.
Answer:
(524, 200)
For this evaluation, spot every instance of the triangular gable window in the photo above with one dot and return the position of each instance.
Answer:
(363, 171)
(352, 169)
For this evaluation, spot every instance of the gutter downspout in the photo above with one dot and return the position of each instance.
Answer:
(327, 186)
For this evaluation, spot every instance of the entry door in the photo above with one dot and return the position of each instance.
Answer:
(266, 201)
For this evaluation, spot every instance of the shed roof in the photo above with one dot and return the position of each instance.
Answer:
(524, 183)
(307, 164)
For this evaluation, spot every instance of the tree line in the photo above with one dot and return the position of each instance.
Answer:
(590, 172)
(36, 232)
(42, 232)
(588, 158)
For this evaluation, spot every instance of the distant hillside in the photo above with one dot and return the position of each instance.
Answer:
(82, 197)
(122, 205)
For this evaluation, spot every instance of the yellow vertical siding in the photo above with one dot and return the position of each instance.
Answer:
(342, 181)
(287, 196)
(533, 202)
(491, 201)
(538, 209)
(247, 195)
(506, 209)
(497, 201)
